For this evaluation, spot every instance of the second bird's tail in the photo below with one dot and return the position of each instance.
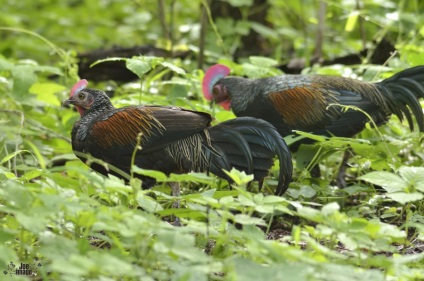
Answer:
(405, 89)
(249, 144)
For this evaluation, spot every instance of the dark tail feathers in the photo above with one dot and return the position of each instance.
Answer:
(249, 144)
(407, 87)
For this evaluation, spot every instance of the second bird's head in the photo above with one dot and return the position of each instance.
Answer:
(84, 98)
(213, 88)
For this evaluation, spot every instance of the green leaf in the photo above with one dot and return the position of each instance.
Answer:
(262, 61)
(6, 235)
(148, 203)
(248, 220)
(318, 138)
(138, 66)
(32, 174)
(239, 178)
(330, 209)
(108, 59)
(388, 181)
(7, 255)
(414, 176)
(37, 153)
(265, 31)
(45, 92)
(11, 155)
(113, 265)
(248, 270)
(174, 68)
(159, 176)
(193, 177)
(34, 224)
(351, 21)
(6, 174)
(404, 198)
(239, 3)
(23, 78)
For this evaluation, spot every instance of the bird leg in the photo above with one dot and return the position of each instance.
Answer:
(175, 187)
(341, 182)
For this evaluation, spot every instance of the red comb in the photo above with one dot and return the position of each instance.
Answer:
(212, 75)
(79, 86)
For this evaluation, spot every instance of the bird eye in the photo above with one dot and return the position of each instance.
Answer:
(215, 91)
(81, 96)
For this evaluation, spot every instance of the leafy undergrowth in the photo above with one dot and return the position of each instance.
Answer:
(62, 221)
(68, 223)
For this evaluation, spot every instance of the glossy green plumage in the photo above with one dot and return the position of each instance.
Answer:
(309, 103)
(175, 140)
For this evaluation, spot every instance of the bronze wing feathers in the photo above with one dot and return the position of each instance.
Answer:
(157, 127)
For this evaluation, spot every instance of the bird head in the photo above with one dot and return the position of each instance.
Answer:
(83, 98)
(212, 89)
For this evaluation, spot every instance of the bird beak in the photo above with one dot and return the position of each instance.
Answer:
(67, 102)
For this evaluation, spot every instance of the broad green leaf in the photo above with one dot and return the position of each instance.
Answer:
(6, 235)
(242, 27)
(351, 21)
(34, 223)
(6, 175)
(11, 155)
(413, 176)
(16, 195)
(35, 149)
(403, 197)
(194, 177)
(138, 66)
(32, 174)
(263, 61)
(23, 78)
(5, 64)
(330, 209)
(112, 264)
(265, 31)
(389, 181)
(248, 270)
(174, 68)
(7, 255)
(148, 203)
(159, 176)
(305, 191)
(45, 92)
(239, 178)
(248, 220)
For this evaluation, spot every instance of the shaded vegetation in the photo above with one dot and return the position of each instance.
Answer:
(70, 223)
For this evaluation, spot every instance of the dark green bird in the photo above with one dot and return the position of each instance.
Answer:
(173, 140)
(302, 102)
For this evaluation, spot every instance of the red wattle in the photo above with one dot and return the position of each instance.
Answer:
(225, 104)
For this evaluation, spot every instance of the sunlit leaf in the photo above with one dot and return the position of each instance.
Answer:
(174, 68)
(138, 66)
(389, 181)
(45, 92)
(351, 21)
(150, 173)
(148, 204)
(404, 198)
(414, 176)
(11, 155)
